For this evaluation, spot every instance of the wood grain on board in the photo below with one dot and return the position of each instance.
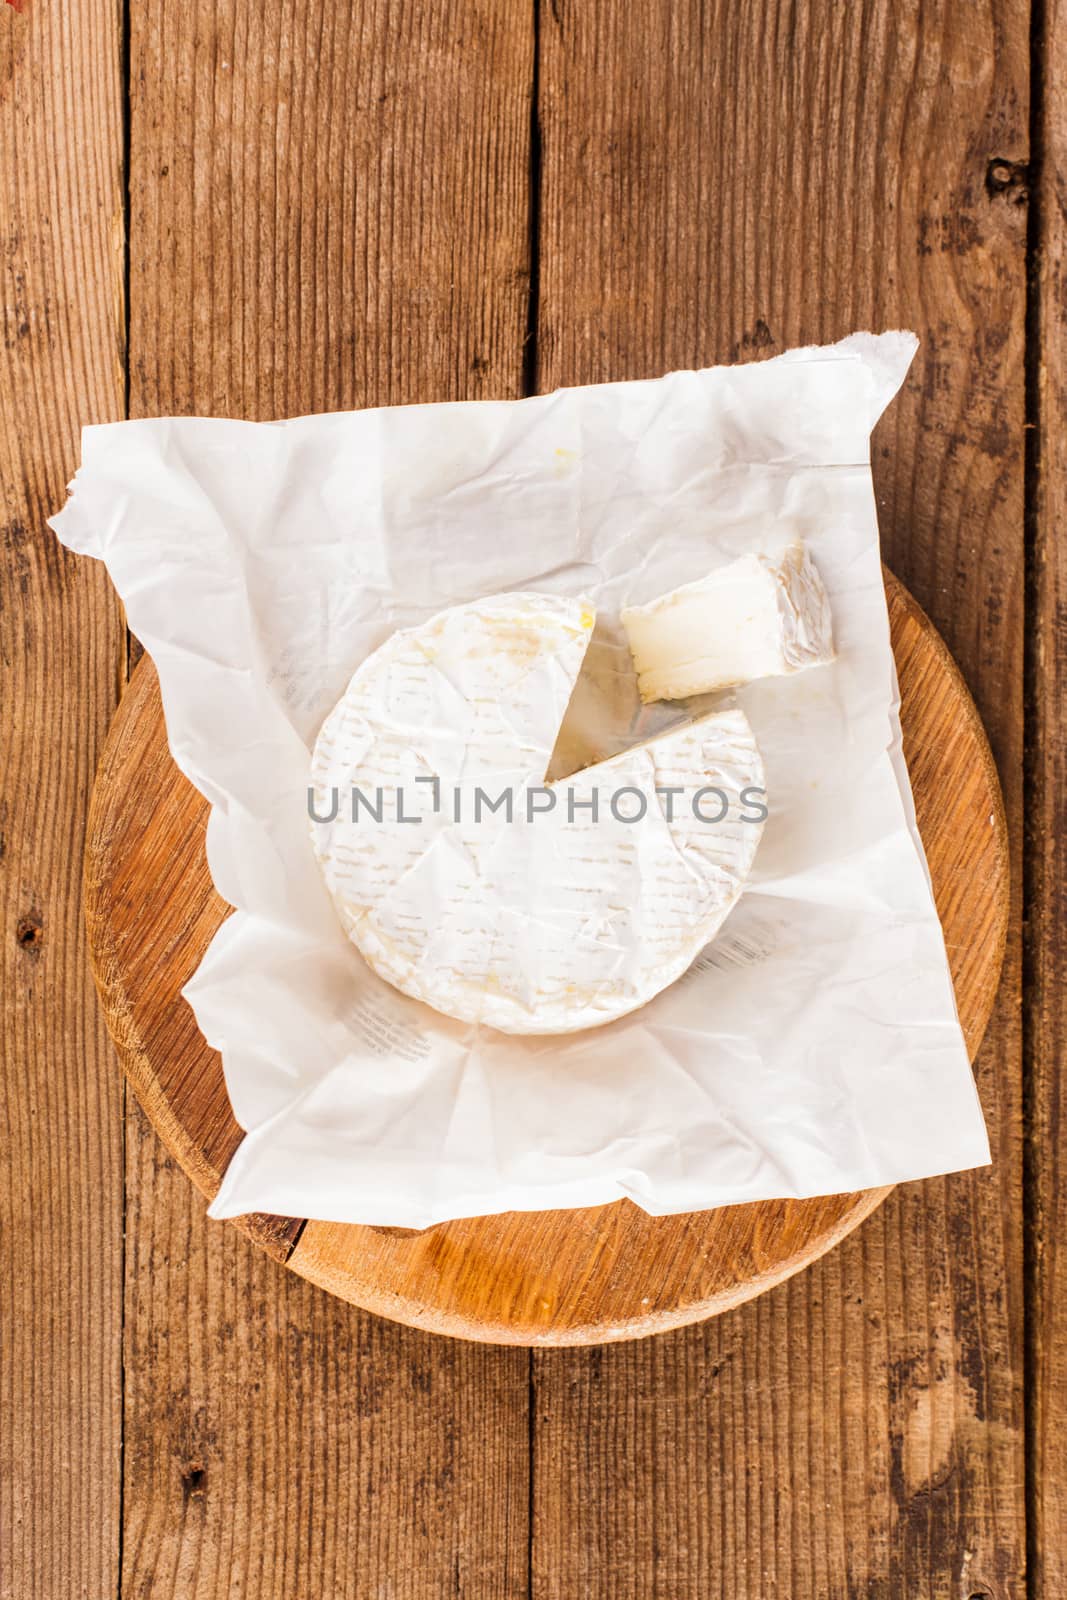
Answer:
(572, 1277)
(329, 208)
(61, 645)
(720, 182)
(1047, 839)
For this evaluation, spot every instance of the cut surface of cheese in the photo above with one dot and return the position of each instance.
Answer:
(468, 882)
(758, 617)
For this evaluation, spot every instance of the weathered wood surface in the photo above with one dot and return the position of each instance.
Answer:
(330, 206)
(719, 182)
(61, 650)
(1046, 882)
(571, 1277)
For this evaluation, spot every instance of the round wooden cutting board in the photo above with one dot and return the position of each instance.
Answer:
(560, 1277)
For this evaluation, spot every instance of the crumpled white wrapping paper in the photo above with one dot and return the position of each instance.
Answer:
(813, 1048)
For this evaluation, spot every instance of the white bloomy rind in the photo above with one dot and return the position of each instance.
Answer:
(534, 925)
(759, 617)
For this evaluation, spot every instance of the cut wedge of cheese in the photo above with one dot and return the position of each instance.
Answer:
(467, 882)
(758, 617)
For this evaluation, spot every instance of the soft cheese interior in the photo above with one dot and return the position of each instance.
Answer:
(758, 617)
(469, 883)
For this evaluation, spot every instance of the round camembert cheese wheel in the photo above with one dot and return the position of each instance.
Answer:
(470, 884)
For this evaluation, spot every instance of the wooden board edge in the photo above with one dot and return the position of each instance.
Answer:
(898, 594)
(307, 1261)
(276, 1235)
(294, 1242)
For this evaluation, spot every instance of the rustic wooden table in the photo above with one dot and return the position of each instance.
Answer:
(218, 207)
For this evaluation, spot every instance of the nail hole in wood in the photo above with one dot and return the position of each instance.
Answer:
(1012, 178)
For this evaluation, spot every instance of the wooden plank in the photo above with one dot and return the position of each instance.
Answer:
(1047, 826)
(718, 183)
(329, 209)
(61, 645)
